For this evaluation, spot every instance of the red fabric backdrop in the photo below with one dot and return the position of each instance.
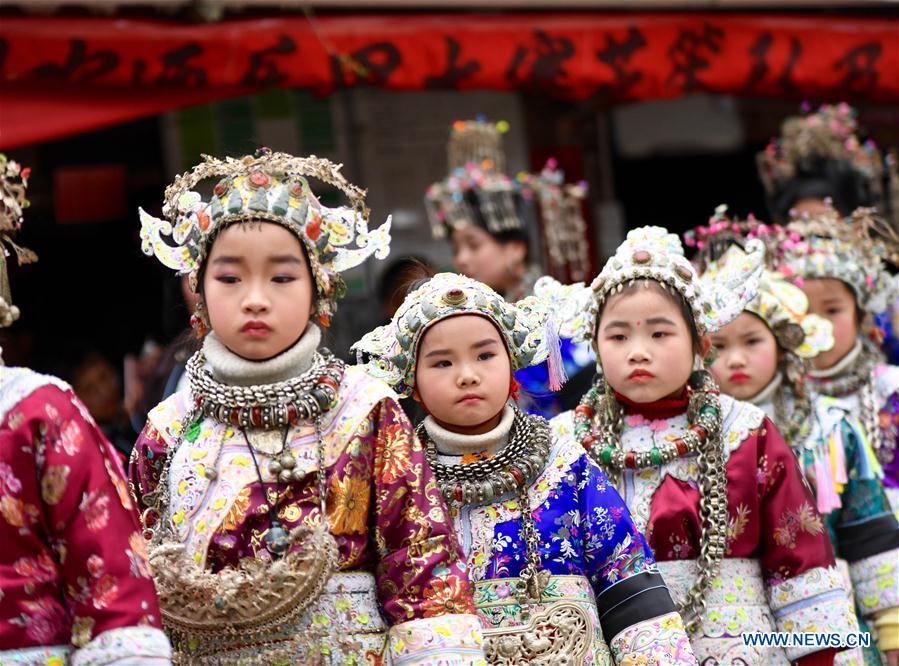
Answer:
(62, 75)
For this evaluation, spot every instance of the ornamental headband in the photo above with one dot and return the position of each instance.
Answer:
(13, 182)
(478, 192)
(270, 187)
(854, 250)
(829, 135)
(782, 306)
(830, 132)
(393, 348)
(652, 253)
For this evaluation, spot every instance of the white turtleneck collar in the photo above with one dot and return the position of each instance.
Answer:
(453, 444)
(767, 393)
(229, 368)
(840, 366)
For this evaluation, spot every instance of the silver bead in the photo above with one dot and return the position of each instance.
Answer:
(274, 467)
(297, 474)
(285, 476)
(288, 461)
(210, 473)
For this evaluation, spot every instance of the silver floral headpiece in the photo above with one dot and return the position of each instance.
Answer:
(782, 306)
(652, 253)
(270, 187)
(393, 348)
(854, 250)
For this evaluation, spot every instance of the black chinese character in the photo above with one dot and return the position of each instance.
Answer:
(80, 66)
(176, 71)
(690, 54)
(262, 71)
(859, 62)
(547, 69)
(617, 55)
(454, 71)
(760, 68)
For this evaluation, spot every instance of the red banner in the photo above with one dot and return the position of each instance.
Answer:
(146, 65)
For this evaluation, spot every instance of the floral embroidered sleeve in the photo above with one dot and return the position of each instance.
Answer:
(92, 528)
(867, 534)
(631, 596)
(804, 588)
(421, 574)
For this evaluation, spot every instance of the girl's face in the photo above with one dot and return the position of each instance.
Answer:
(644, 345)
(747, 356)
(463, 373)
(833, 299)
(478, 255)
(258, 289)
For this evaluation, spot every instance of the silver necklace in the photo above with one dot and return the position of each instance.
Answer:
(512, 469)
(267, 406)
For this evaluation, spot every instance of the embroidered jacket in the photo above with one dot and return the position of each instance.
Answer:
(779, 567)
(383, 508)
(840, 465)
(74, 578)
(596, 557)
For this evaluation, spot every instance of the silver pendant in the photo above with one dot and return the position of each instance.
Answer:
(268, 442)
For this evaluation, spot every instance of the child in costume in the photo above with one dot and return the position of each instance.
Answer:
(716, 490)
(491, 221)
(548, 541)
(291, 514)
(839, 264)
(762, 357)
(75, 586)
(821, 156)
(821, 159)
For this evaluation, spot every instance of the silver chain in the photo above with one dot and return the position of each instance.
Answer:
(523, 457)
(514, 468)
(793, 420)
(855, 377)
(704, 410)
(268, 406)
(157, 501)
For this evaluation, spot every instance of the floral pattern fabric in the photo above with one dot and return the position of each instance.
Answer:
(587, 542)
(73, 567)
(887, 390)
(838, 462)
(383, 506)
(771, 513)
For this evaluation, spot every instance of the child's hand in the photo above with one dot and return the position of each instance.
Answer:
(892, 658)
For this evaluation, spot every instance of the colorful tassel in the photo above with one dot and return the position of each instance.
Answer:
(825, 492)
(556, 366)
(868, 465)
(838, 463)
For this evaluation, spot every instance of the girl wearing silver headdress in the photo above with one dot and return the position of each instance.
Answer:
(709, 479)
(558, 568)
(290, 512)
